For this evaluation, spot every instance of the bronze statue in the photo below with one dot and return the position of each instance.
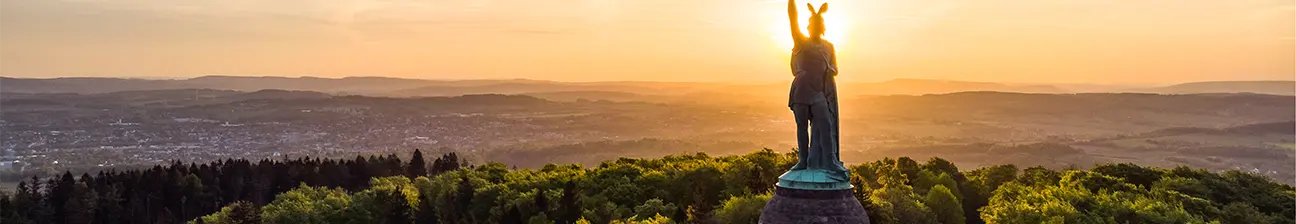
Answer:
(817, 189)
(813, 101)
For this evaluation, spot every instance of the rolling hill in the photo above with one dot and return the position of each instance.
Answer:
(1258, 87)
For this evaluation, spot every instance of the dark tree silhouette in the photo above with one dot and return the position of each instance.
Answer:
(426, 211)
(417, 167)
(398, 211)
(568, 210)
(244, 212)
(514, 216)
(541, 202)
(464, 198)
(179, 192)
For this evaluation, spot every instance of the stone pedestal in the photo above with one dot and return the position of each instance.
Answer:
(814, 179)
(789, 206)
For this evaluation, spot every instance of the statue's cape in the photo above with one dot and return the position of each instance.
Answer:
(813, 68)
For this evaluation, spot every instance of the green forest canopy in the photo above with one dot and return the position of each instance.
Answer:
(674, 189)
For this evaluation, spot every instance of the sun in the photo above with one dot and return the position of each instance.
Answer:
(836, 26)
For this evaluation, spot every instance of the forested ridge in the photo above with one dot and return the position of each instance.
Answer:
(675, 189)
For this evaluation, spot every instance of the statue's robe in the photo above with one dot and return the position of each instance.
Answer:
(813, 68)
(813, 64)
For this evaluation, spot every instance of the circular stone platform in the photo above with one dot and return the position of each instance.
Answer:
(813, 206)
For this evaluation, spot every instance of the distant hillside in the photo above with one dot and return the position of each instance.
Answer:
(85, 85)
(929, 86)
(348, 85)
(1144, 108)
(1288, 128)
(1264, 148)
(281, 94)
(355, 85)
(1259, 87)
(589, 95)
(1271, 128)
(401, 87)
(169, 97)
(892, 87)
(987, 115)
(1089, 114)
(517, 88)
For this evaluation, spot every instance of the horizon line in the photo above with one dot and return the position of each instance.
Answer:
(179, 78)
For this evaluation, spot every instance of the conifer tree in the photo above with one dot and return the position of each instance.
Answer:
(513, 216)
(398, 211)
(569, 211)
(417, 167)
(9, 210)
(80, 204)
(426, 213)
(541, 202)
(243, 212)
(26, 203)
(463, 200)
(108, 209)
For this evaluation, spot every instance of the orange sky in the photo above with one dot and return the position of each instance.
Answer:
(1101, 41)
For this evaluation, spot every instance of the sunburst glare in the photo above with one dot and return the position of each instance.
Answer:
(837, 26)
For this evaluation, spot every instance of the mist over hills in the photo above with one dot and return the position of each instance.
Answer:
(88, 124)
(1234, 143)
(400, 87)
(81, 131)
(1259, 87)
(930, 86)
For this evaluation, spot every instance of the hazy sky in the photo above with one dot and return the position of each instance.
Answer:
(1106, 41)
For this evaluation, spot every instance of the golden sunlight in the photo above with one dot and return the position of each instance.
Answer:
(834, 20)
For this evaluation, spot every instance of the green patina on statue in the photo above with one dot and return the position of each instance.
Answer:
(813, 100)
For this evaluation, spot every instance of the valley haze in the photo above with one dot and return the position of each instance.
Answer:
(89, 124)
(403, 87)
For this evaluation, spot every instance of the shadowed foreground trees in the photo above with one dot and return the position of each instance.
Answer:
(178, 192)
(674, 189)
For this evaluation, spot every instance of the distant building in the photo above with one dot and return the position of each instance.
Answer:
(120, 123)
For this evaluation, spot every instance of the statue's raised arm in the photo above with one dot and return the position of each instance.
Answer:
(797, 36)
